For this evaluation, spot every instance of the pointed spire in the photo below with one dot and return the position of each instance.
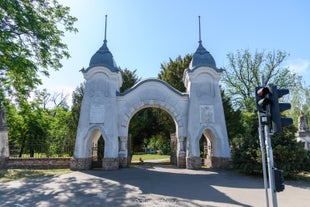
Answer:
(103, 57)
(199, 31)
(201, 57)
(105, 30)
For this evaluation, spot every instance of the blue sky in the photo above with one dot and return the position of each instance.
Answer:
(142, 34)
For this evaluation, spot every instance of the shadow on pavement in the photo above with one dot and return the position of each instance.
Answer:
(135, 186)
(168, 181)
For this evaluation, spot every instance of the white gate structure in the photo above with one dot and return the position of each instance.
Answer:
(105, 112)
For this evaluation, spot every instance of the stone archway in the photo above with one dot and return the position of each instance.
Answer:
(210, 147)
(105, 108)
(158, 94)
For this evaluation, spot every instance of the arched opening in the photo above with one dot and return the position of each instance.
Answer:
(150, 139)
(97, 148)
(206, 143)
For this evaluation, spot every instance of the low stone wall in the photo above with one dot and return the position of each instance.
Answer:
(80, 163)
(38, 163)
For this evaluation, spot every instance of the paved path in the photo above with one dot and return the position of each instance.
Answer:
(148, 186)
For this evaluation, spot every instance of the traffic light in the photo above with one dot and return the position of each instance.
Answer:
(262, 98)
(277, 122)
(279, 180)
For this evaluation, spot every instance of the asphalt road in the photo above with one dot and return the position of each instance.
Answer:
(148, 186)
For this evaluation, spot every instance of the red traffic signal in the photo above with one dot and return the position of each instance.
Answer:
(262, 98)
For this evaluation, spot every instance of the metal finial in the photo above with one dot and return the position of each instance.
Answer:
(105, 29)
(199, 30)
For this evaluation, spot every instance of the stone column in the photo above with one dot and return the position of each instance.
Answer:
(181, 157)
(110, 163)
(122, 154)
(4, 140)
(173, 149)
(193, 163)
(94, 151)
(209, 153)
(221, 162)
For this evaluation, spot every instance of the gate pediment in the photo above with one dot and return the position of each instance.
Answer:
(154, 84)
(152, 93)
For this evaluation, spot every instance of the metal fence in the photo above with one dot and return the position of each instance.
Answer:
(41, 150)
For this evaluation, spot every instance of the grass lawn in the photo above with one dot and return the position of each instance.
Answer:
(18, 174)
(303, 176)
(149, 157)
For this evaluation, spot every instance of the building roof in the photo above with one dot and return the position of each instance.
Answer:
(103, 57)
(202, 57)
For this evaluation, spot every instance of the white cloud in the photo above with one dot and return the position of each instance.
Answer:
(300, 66)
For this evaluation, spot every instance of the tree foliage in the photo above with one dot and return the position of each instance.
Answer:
(38, 129)
(244, 74)
(73, 121)
(232, 117)
(31, 34)
(300, 100)
(149, 124)
(172, 72)
(240, 81)
(130, 78)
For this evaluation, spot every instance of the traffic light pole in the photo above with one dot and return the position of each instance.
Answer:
(262, 148)
(270, 167)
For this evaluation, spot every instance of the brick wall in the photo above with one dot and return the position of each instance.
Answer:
(38, 163)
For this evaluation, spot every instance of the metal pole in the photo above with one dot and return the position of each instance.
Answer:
(270, 167)
(262, 148)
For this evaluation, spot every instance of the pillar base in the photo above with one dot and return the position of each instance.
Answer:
(123, 162)
(3, 161)
(193, 163)
(110, 163)
(221, 162)
(181, 161)
(80, 163)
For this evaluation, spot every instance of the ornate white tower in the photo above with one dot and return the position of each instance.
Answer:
(98, 111)
(205, 110)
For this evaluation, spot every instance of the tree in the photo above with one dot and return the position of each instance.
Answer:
(172, 72)
(130, 78)
(30, 44)
(73, 121)
(244, 74)
(35, 128)
(290, 155)
(232, 118)
(240, 81)
(300, 100)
